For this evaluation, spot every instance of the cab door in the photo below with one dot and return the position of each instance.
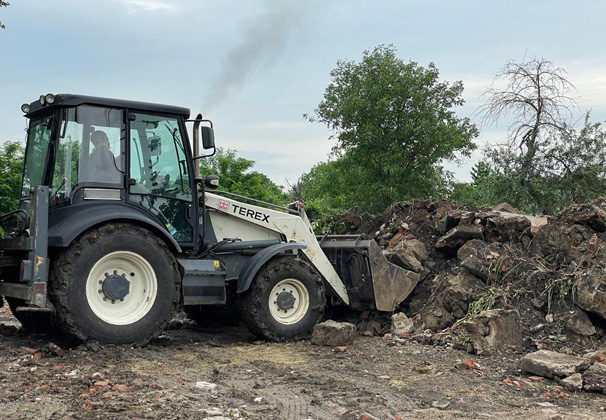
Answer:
(159, 177)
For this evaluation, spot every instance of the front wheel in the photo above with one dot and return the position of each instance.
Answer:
(285, 300)
(115, 284)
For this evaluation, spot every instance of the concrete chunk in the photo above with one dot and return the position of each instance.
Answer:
(594, 378)
(552, 364)
(573, 382)
(591, 293)
(457, 237)
(332, 333)
(401, 324)
(494, 331)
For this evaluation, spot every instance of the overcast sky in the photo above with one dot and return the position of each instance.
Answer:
(255, 66)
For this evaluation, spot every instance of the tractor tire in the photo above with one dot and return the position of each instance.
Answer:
(116, 284)
(285, 300)
(35, 322)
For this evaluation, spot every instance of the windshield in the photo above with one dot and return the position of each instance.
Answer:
(38, 138)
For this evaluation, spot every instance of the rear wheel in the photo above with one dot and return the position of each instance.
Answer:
(115, 284)
(285, 300)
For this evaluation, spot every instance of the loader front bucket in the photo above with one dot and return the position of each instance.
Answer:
(372, 282)
(391, 284)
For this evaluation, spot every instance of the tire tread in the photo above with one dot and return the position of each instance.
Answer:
(59, 281)
(252, 303)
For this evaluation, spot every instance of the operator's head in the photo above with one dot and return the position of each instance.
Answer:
(99, 138)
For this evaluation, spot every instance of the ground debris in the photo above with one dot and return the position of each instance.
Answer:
(332, 333)
(549, 274)
(552, 364)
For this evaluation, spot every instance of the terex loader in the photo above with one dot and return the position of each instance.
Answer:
(115, 228)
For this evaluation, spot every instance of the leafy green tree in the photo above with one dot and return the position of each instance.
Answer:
(11, 171)
(487, 188)
(235, 176)
(395, 124)
(572, 169)
(324, 190)
(3, 4)
(578, 162)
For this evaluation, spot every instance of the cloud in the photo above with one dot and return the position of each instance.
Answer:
(589, 78)
(462, 172)
(147, 5)
(279, 125)
(281, 155)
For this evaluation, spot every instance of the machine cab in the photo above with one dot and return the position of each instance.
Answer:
(129, 159)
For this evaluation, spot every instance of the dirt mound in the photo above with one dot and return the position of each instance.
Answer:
(551, 272)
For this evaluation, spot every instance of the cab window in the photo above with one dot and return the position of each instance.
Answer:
(158, 175)
(89, 150)
(157, 158)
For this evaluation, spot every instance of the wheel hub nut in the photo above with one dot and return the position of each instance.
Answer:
(285, 301)
(115, 287)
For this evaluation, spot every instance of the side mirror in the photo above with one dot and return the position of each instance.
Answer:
(208, 137)
(211, 181)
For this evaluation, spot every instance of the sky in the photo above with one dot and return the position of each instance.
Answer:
(254, 67)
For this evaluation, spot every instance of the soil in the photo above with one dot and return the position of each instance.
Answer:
(468, 261)
(223, 372)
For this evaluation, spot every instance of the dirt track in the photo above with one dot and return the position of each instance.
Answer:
(258, 380)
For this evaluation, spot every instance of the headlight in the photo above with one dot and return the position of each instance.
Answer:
(42, 100)
(25, 108)
(50, 98)
(14, 223)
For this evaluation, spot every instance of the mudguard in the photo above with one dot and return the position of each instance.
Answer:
(66, 224)
(249, 271)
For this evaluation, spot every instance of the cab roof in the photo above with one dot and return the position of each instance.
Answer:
(71, 100)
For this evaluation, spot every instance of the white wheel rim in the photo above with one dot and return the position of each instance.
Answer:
(143, 288)
(300, 306)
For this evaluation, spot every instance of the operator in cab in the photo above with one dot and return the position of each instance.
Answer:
(101, 164)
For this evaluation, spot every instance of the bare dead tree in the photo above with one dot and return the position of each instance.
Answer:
(537, 100)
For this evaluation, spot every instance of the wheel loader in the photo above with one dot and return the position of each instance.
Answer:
(116, 228)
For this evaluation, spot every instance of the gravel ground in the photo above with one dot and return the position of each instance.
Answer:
(222, 372)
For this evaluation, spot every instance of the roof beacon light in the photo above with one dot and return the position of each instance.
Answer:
(25, 108)
(50, 98)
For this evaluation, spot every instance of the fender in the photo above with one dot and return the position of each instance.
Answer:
(67, 223)
(249, 271)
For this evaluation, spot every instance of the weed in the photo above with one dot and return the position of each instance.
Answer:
(500, 295)
(487, 299)
(564, 287)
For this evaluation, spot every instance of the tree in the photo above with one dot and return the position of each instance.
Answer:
(395, 124)
(3, 4)
(324, 190)
(536, 99)
(577, 164)
(11, 171)
(236, 177)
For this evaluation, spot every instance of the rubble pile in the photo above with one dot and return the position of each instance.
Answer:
(496, 279)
